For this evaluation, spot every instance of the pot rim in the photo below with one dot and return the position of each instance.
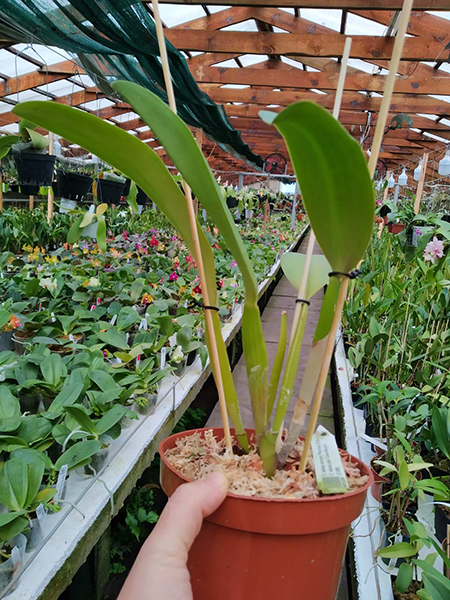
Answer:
(328, 498)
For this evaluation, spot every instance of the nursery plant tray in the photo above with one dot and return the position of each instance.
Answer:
(70, 535)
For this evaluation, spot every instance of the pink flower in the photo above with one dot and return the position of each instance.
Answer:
(233, 263)
(434, 250)
(418, 232)
(379, 202)
(152, 231)
(173, 276)
(174, 238)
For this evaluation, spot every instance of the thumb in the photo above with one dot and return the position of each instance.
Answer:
(182, 518)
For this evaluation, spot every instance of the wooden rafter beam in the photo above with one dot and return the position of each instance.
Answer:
(293, 77)
(350, 101)
(424, 48)
(344, 4)
(56, 72)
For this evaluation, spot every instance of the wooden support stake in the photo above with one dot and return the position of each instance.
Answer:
(448, 551)
(193, 226)
(31, 202)
(389, 85)
(421, 182)
(321, 382)
(50, 190)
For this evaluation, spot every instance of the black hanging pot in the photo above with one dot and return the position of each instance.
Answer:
(232, 202)
(35, 169)
(72, 186)
(110, 191)
(29, 190)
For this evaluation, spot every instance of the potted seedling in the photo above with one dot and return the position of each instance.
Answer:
(9, 323)
(305, 530)
(71, 186)
(12, 550)
(98, 430)
(20, 492)
(110, 187)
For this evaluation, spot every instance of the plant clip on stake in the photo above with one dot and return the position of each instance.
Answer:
(194, 232)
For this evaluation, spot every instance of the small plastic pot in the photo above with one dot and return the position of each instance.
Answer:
(110, 191)
(99, 459)
(30, 402)
(6, 340)
(10, 567)
(35, 535)
(180, 367)
(152, 400)
(72, 186)
(378, 481)
(21, 340)
(263, 548)
(441, 522)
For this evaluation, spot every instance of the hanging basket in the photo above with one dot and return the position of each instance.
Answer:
(35, 169)
(110, 191)
(72, 186)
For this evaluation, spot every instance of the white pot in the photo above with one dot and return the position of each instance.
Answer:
(67, 205)
(248, 214)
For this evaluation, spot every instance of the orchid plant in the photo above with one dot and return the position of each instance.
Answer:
(338, 196)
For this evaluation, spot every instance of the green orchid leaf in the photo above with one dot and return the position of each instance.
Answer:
(110, 418)
(39, 141)
(334, 180)
(101, 233)
(67, 396)
(293, 265)
(114, 338)
(404, 577)
(6, 141)
(131, 198)
(18, 525)
(35, 474)
(78, 454)
(53, 369)
(14, 484)
(30, 456)
(400, 550)
(10, 412)
(82, 419)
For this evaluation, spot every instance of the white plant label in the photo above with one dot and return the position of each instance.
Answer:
(52, 314)
(173, 340)
(143, 324)
(71, 338)
(61, 483)
(330, 474)
(163, 357)
(15, 555)
(40, 513)
(397, 539)
(113, 320)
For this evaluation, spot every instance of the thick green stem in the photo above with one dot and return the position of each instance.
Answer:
(277, 365)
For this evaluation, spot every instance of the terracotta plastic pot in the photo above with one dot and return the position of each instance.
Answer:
(378, 481)
(395, 228)
(262, 548)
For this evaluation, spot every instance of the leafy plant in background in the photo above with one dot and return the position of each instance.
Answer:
(346, 210)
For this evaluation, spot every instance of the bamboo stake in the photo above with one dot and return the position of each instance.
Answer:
(193, 226)
(448, 551)
(329, 349)
(31, 202)
(390, 83)
(50, 190)
(421, 182)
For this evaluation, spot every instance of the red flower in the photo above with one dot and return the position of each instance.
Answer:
(153, 241)
(197, 290)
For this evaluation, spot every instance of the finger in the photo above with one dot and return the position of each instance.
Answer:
(182, 518)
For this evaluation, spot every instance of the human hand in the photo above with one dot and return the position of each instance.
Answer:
(160, 571)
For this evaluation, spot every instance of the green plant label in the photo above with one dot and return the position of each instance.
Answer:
(330, 474)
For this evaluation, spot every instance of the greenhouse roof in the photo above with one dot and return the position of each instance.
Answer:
(241, 56)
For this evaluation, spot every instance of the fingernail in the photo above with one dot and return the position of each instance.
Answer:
(217, 479)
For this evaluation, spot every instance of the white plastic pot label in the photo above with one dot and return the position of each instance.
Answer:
(61, 482)
(113, 320)
(40, 513)
(330, 474)
(15, 555)
(163, 357)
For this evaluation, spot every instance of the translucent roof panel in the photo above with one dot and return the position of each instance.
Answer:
(61, 88)
(26, 95)
(357, 25)
(249, 25)
(327, 18)
(126, 117)
(176, 15)
(97, 104)
(12, 65)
